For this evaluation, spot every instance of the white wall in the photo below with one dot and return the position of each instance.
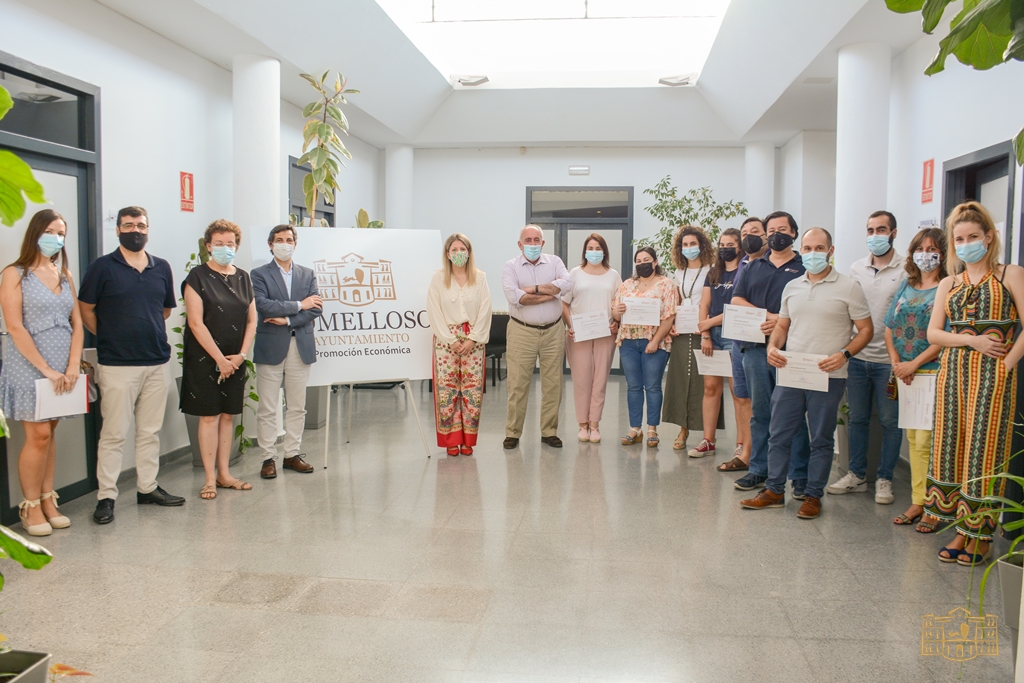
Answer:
(163, 110)
(941, 117)
(807, 187)
(482, 192)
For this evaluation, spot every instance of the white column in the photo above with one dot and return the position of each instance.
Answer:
(398, 186)
(862, 145)
(759, 173)
(256, 135)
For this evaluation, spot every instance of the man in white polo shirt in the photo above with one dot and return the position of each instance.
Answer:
(879, 274)
(818, 313)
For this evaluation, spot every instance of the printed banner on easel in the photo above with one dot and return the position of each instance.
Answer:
(374, 286)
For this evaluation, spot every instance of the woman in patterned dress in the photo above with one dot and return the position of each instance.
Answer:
(221, 325)
(977, 382)
(42, 317)
(459, 311)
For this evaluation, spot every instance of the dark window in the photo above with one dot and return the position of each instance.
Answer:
(41, 111)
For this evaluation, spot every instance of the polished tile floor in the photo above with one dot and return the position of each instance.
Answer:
(589, 563)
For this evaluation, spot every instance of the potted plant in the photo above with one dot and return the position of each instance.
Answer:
(23, 667)
(241, 442)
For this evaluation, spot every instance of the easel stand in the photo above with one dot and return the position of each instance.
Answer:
(351, 389)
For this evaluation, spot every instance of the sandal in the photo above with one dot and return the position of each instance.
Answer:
(652, 439)
(237, 485)
(466, 450)
(208, 492)
(680, 442)
(926, 527)
(635, 436)
(453, 450)
(953, 554)
(903, 520)
(969, 559)
(734, 465)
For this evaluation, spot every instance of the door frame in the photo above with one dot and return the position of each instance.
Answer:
(955, 174)
(86, 159)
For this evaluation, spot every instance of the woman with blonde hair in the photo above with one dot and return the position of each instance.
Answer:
(975, 400)
(693, 256)
(46, 337)
(459, 311)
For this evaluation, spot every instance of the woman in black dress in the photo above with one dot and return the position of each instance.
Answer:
(221, 325)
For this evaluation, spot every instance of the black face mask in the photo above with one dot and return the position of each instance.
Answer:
(133, 241)
(645, 269)
(752, 244)
(779, 241)
(727, 253)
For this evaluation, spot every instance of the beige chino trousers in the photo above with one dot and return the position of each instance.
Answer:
(523, 347)
(294, 375)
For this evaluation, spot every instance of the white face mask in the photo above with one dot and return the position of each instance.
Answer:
(283, 251)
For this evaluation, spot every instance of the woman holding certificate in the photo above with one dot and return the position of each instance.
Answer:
(459, 311)
(590, 341)
(717, 292)
(693, 257)
(977, 383)
(46, 336)
(906, 340)
(641, 302)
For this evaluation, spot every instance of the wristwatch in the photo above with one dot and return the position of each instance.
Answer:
(847, 354)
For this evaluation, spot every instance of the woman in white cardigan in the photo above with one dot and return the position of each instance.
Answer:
(459, 310)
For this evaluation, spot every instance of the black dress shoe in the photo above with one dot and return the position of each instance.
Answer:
(159, 497)
(104, 511)
(552, 441)
(509, 443)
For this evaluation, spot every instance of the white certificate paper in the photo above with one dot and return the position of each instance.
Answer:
(743, 323)
(642, 310)
(718, 364)
(686, 318)
(587, 326)
(50, 405)
(802, 372)
(917, 403)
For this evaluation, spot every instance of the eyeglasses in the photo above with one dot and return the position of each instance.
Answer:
(130, 227)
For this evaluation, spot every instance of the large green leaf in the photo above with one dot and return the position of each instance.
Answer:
(904, 6)
(1018, 146)
(975, 36)
(26, 553)
(932, 13)
(6, 103)
(16, 179)
(1015, 50)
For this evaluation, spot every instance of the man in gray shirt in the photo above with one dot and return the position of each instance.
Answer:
(819, 310)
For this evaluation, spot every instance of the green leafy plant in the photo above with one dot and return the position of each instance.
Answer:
(16, 180)
(322, 147)
(363, 220)
(983, 34)
(4, 431)
(696, 207)
(26, 553)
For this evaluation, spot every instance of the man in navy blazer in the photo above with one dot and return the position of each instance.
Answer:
(287, 302)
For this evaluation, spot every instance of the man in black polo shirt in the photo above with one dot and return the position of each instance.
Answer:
(761, 286)
(125, 297)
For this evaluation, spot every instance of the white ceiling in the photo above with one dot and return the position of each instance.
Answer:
(752, 86)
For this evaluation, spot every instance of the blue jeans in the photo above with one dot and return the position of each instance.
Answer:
(866, 383)
(643, 373)
(760, 384)
(790, 407)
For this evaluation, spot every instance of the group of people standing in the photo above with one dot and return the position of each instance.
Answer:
(126, 296)
(951, 309)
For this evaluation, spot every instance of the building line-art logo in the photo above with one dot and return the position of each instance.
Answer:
(354, 281)
(959, 636)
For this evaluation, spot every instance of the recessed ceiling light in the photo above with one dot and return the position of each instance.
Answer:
(469, 81)
(675, 81)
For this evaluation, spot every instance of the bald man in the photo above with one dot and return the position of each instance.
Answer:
(534, 283)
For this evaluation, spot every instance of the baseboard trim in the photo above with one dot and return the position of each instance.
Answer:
(165, 459)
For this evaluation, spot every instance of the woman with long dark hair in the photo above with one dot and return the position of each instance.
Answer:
(43, 320)
(693, 256)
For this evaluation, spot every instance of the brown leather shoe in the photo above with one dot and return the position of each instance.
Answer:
(810, 509)
(552, 441)
(764, 499)
(297, 463)
(269, 470)
(509, 443)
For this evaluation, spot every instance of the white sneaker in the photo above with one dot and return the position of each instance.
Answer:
(883, 492)
(850, 483)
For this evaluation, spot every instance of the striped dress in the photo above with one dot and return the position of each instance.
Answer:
(974, 409)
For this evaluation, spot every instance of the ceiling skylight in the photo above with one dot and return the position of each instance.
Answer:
(562, 43)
